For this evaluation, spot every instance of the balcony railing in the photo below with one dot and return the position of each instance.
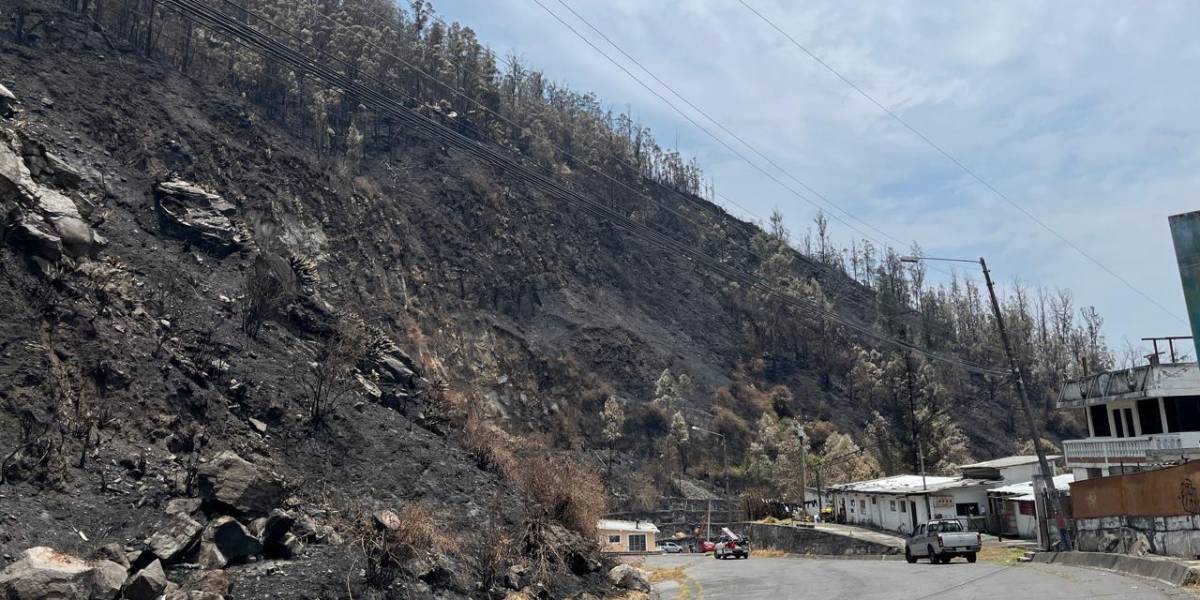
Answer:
(1126, 450)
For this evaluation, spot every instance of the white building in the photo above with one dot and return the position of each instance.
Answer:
(902, 502)
(1137, 418)
(1015, 505)
(1010, 469)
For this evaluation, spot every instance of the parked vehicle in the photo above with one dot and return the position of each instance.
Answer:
(731, 544)
(707, 546)
(670, 547)
(940, 541)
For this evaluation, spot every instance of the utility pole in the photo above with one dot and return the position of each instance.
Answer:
(803, 469)
(1018, 377)
(1027, 407)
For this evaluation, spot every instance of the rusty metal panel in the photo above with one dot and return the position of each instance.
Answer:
(1168, 492)
(1185, 231)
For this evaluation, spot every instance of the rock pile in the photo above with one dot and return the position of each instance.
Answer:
(236, 519)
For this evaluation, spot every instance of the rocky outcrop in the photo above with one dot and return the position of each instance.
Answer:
(43, 221)
(46, 573)
(192, 213)
(229, 482)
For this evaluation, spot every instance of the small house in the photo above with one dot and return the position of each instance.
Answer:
(626, 536)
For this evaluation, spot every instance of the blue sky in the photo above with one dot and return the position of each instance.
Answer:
(1084, 113)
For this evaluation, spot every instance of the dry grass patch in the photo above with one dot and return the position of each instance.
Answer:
(1004, 555)
(769, 553)
(666, 574)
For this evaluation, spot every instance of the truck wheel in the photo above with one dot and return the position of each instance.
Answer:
(933, 557)
(971, 557)
(908, 556)
(716, 556)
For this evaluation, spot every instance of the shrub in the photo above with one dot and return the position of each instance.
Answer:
(419, 531)
(267, 288)
(564, 490)
(331, 375)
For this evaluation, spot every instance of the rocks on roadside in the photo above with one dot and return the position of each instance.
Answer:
(629, 577)
(228, 481)
(192, 213)
(46, 573)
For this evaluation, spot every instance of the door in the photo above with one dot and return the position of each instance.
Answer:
(912, 513)
(637, 543)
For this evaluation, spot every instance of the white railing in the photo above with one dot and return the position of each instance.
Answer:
(1118, 450)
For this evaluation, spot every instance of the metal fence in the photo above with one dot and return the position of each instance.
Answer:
(1172, 491)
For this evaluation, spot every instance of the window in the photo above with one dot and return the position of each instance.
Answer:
(637, 543)
(892, 505)
(1149, 417)
(862, 504)
(614, 539)
(872, 499)
(1099, 421)
(903, 506)
(1025, 507)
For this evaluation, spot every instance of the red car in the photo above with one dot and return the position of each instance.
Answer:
(707, 546)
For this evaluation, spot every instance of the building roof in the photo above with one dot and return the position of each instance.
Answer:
(1008, 461)
(1147, 381)
(908, 485)
(1024, 491)
(615, 525)
(896, 484)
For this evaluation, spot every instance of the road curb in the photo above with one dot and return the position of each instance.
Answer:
(1166, 570)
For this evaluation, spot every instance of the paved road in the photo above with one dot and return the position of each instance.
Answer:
(802, 579)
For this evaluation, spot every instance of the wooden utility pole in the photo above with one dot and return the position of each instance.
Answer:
(1034, 431)
(803, 469)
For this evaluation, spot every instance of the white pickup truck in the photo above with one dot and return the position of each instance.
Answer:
(940, 541)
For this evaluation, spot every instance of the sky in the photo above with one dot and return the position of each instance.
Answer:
(1083, 113)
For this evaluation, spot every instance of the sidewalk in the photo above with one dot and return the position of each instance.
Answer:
(869, 535)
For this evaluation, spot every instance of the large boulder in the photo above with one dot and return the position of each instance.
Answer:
(15, 179)
(31, 235)
(232, 539)
(190, 212)
(172, 541)
(629, 577)
(147, 584)
(231, 482)
(46, 573)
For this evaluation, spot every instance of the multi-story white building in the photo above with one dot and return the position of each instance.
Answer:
(1137, 418)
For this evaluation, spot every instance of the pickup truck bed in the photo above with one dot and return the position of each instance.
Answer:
(941, 541)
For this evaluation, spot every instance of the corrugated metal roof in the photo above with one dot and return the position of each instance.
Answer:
(1008, 461)
(615, 525)
(1061, 482)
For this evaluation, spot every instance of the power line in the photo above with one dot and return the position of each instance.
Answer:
(719, 125)
(963, 167)
(829, 270)
(254, 39)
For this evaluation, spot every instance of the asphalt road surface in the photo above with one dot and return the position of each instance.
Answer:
(801, 579)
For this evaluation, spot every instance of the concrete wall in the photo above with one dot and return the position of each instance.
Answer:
(1166, 536)
(804, 540)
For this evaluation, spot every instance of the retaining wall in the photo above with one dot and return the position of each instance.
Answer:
(1167, 536)
(806, 540)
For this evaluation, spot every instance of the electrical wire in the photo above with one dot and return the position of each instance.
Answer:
(963, 167)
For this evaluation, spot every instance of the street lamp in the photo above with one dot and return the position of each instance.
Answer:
(1018, 377)
(725, 466)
